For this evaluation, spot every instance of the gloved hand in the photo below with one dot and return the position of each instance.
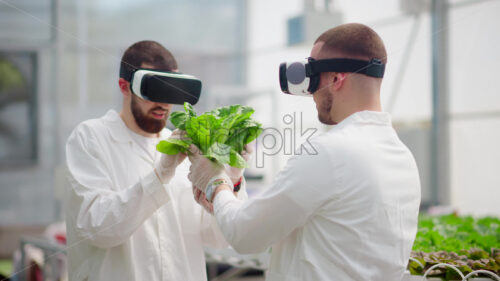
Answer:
(234, 173)
(165, 168)
(204, 172)
(201, 199)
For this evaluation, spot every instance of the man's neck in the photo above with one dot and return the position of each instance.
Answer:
(357, 107)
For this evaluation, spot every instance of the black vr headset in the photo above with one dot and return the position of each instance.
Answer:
(302, 78)
(162, 86)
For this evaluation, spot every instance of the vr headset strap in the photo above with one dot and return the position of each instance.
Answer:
(127, 72)
(373, 68)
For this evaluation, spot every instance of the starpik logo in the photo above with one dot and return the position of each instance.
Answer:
(292, 139)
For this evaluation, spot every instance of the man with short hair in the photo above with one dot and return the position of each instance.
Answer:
(130, 214)
(348, 212)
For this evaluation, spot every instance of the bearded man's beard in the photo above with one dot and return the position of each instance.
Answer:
(147, 124)
(324, 110)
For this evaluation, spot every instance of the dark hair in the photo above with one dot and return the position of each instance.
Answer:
(353, 40)
(149, 52)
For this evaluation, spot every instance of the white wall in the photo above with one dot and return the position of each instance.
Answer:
(475, 108)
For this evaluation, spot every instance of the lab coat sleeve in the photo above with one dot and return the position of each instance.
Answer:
(103, 213)
(253, 225)
(211, 233)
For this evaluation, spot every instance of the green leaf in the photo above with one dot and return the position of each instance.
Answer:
(415, 268)
(452, 274)
(189, 109)
(219, 152)
(253, 133)
(197, 130)
(236, 160)
(169, 148)
(220, 135)
(183, 143)
(237, 139)
(240, 114)
(179, 119)
(244, 114)
(206, 125)
(246, 132)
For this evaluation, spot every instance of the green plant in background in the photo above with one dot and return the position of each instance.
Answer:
(9, 76)
(453, 233)
(5, 268)
(220, 134)
(467, 243)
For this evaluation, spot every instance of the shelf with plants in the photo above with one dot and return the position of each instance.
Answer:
(466, 243)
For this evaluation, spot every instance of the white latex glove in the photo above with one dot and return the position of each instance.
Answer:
(204, 172)
(201, 199)
(234, 173)
(165, 168)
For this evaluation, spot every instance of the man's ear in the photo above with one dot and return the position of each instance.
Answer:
(124, 87)
(337, 79)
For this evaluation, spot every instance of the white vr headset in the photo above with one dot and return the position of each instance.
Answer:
(302, 78)
(162, 86)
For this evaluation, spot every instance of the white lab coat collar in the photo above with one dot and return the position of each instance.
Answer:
(367, 117)
(119, 131)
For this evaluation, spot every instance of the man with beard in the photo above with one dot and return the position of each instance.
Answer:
(130, 213)
(348, 212)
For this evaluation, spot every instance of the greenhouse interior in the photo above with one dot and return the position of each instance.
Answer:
(61, 65)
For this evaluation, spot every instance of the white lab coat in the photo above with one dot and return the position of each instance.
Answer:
(122, 223)
(348, 212)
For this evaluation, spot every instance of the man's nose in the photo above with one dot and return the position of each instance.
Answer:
(164, 106)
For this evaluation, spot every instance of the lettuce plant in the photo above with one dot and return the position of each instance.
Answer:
(465, 242)
(220, 134)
